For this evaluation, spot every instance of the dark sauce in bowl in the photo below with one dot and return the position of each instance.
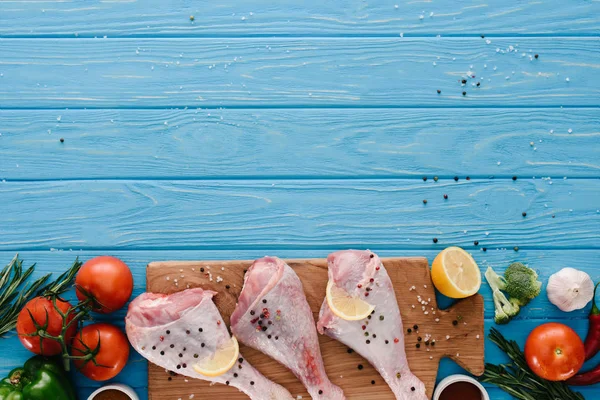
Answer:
(111, 394)
(461, 390)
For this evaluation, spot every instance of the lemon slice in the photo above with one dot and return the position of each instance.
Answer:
(345, 306)
(455, 274)
(221, 362)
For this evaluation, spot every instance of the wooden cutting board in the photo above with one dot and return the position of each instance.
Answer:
(458, 334)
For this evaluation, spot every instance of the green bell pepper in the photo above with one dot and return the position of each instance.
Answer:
(40, 378)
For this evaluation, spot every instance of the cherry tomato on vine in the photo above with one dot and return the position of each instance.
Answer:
(103, 343)
(41, 314)
(554, 351)
(107, 280)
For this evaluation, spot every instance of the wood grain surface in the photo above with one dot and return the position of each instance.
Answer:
(299, 72)
(326, 143)
(256, 214)
(71, 19)
(461, 342)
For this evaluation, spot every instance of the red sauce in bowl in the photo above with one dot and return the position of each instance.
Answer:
(461, 390)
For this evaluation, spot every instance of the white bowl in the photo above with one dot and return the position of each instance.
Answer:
(116, 386)
(459, 378)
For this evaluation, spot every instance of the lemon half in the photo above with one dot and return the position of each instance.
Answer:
(221, 361)
(345, 306)
(455, 273)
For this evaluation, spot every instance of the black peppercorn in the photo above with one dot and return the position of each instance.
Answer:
(412, 389)
(416, 327)
(171, 346)
(168, 332)
(372, 382)
(264, 328)
(424, 201)
(235, 375)
(435, 240)
(368, 341)
(320, 392)
(455, 322)
(456, 178)
(484, 249)
(387, 341)
(514, 178)
(252, 383)
(418, 345)
(227, 286)
(252, 312)
(446, 196)
(350, 351)
(227, 383)
(409, 330)
(62, 140)
(201, 269)
(178, 366)
(476, 243)
(524, 214)
(360, 366)
(381, 317)
(536, 56)
(424, 179)
(162, 353)
(200, 330)
(464, 81)
(264, 300)
(419, 338)
(439, 91)
(202, 345)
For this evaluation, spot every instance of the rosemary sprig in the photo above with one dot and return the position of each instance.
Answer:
(518, 380)
(15, 292)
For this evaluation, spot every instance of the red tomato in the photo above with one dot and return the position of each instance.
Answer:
(107, 280)
(40, 313)
(107, 345)
(554, 351)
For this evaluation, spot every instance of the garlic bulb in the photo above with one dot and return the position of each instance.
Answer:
(570, 289)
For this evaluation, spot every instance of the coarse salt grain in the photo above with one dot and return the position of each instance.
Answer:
(477, 336)
(447, 337)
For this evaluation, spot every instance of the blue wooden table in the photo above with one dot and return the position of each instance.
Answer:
(155, 130)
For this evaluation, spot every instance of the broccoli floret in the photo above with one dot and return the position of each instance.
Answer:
(505, 309)
(495, 281)
(522, 283)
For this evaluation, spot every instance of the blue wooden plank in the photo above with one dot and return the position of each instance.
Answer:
(288, 17)
(135, 373)
(299, 72)
(287, 214)
(390, 143)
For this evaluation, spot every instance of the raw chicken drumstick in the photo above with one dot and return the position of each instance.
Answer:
(176, 331)
(361, 274)
(273, 316)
